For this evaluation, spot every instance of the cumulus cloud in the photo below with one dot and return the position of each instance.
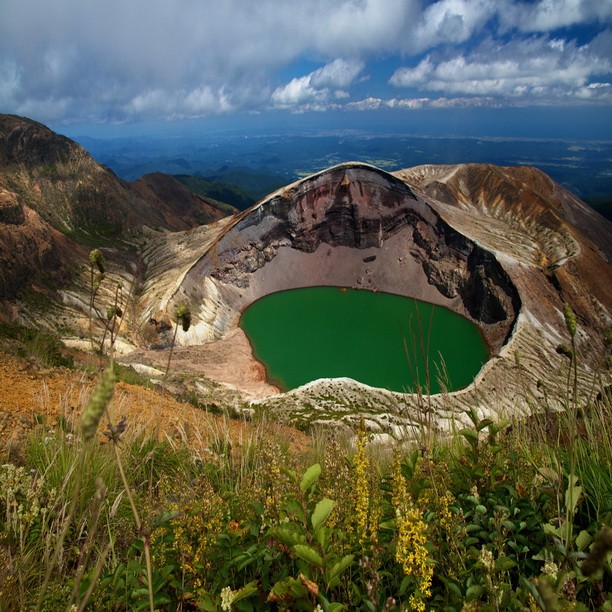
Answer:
(450, 21)
(549, 15)
(117, 60)
(320, 86)
(370, 104)
(536, 68)
(154, 51)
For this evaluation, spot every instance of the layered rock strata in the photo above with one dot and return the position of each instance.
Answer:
(356, 226)
(504, 247)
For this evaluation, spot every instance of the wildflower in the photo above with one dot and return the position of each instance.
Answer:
(227, 597)
(362, 489)
(275, 481)
(115, 432)
(98, 402)
(411, 552)
(550, 569)
(196, 528)
(486, 558)
(446, 516)
(400, 498)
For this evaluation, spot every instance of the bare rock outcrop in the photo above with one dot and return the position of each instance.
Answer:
(504, 247)
(353, 225)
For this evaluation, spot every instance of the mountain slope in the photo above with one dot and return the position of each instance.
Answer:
(521, 195)
(217, 190)
(52, 191)
(176, 203)
(31, 251)
(60, 180)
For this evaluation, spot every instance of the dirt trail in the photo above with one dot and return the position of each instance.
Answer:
(31, 397)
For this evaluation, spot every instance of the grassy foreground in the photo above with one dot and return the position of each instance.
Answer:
(500, 516)
(489, 520)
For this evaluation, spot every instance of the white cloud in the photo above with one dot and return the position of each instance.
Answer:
(549, 15)
(534, 68)
(449, 21)
(320, 86)
(297, 91)
(118, 60)
(367, 104)
(416, 103)
(337, 74)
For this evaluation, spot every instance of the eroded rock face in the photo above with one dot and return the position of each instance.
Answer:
(505, 247)
(353, 225)
(30, 249)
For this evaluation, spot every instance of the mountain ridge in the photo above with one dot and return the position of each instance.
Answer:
(57, 196)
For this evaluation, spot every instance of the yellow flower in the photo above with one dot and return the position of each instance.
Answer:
(367, 510)
(446, 516)
(361, 485)
(411, 552)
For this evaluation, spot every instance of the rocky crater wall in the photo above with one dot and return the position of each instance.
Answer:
(352, 225)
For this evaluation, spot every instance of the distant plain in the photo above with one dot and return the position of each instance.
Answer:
(258, 163)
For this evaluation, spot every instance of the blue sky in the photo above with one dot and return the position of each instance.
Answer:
(73, 63)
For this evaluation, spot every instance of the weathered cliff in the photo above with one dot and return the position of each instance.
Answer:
(352, 225)
(504, 247)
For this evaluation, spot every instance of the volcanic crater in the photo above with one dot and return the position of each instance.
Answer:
(350, 226)
(504, 247)
(447, 235)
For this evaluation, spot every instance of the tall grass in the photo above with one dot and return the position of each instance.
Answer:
(493, 517)
(236, 521)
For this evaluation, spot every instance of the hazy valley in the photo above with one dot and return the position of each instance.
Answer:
(260, 162)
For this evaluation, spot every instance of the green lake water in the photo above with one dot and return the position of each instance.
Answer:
(379, 339)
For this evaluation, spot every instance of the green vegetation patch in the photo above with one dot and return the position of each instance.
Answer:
(33, 345)
(221, 193)
(492, 518)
